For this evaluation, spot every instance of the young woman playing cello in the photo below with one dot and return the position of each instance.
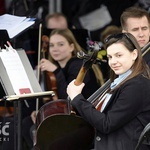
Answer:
(126, 106)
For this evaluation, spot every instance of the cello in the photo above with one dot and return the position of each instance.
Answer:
(58, 126)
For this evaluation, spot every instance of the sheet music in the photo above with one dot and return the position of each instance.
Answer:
(10, 21)
(15, 24)
(15, 70)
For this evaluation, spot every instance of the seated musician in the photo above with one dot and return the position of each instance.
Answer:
(125, 108)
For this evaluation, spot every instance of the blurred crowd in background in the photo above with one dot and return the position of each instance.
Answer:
(88, 19)
(76, 11)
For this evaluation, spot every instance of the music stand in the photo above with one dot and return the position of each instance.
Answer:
(11, 96)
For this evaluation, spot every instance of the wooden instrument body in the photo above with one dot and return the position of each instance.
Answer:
(58, 128)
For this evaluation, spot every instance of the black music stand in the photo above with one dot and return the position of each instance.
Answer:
(10, 94)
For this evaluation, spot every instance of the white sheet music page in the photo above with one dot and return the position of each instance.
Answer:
(16, 71)
(15, 24)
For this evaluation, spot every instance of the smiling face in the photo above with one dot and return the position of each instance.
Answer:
(120, 59)
(60, 49)
(139, 28)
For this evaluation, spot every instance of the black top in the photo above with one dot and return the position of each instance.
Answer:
(124, 117)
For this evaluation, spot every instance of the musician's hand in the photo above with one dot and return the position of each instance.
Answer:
(73, 90)
(33, 116)
(46, 65)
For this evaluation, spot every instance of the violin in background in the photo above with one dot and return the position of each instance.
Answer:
(47, 77)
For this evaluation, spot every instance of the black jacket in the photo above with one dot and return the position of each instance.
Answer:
(124, 117)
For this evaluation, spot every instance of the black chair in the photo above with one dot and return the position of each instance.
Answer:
(144, 137)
